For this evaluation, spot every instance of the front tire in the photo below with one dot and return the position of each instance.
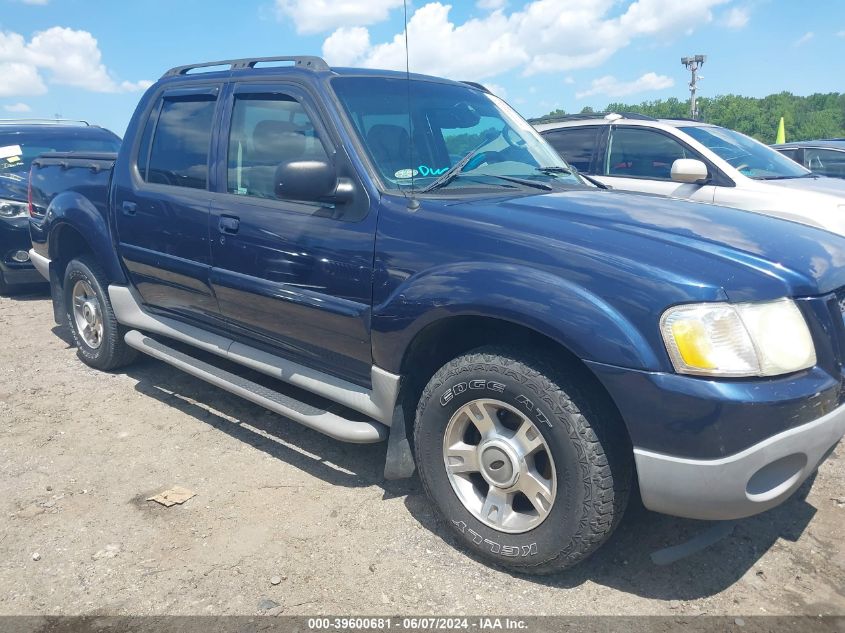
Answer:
(90, 317)
(530, 467)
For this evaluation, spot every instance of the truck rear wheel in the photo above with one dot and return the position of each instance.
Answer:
(96, 332)
(521, 461)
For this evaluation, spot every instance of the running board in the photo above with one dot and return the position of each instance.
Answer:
(331, 424)
(377, 403)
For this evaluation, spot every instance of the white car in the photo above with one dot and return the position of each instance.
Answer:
(697, 161)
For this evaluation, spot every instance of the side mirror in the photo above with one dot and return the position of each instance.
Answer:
(312, 181)
(690, 171)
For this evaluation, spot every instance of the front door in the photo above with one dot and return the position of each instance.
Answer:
(640, 159)
(162, 210)
(295, 275)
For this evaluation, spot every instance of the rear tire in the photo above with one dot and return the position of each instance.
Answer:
(549, 449)
(90, 317)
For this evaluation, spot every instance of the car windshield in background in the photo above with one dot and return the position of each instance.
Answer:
(750, 158)
(18, 150)
(452, 124)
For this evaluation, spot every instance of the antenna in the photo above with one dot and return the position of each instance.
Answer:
(413, 203)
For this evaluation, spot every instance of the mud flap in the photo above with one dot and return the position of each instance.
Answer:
(57, 296)
(399, 462)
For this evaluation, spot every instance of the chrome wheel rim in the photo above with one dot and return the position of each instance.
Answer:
(500, 466)
(87, 314)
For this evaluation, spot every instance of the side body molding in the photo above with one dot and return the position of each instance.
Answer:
(377, 403)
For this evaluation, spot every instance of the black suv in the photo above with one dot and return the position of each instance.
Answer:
(20, 143)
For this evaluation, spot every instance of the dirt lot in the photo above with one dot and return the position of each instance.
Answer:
(81, 451)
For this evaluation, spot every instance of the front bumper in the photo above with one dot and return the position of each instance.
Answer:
(743, 484)
(21, 275)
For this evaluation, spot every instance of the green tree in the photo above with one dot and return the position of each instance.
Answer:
(815, 116)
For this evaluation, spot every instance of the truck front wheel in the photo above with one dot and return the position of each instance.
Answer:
(521, 461)
(96, 332)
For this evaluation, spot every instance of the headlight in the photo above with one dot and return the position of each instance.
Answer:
(13, 209)
(742, 339)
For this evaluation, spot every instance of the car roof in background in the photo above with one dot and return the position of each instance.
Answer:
(601, 118)
(41, 130)
(832, 143)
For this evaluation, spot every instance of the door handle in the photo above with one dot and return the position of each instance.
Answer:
(129, 208)
(229, 224)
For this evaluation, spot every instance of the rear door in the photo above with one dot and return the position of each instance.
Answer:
(640, 159)
(162, 215)
(292, 275)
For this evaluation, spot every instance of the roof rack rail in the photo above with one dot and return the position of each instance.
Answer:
(44, 122)
(592, 115)
(308, 62)
(475, 84)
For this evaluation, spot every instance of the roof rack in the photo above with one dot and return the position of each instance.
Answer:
(592, 115)
(308, 62)
(475, 84)
(44, 122)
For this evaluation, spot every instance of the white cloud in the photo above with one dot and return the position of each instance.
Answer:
(67, 56)
(841, 34)
(543, 36)
(39, 2)
(737, 17)
(612, 87)
(317, 16)
(491, 5)
(19, 79)
(809, 35)
(496, 89)
(17, 107)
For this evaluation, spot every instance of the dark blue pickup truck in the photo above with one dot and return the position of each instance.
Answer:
(414, 264)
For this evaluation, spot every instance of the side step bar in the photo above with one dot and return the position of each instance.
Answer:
(331, 424)
(376, 403)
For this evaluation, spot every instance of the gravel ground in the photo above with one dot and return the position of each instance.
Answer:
(287, 521)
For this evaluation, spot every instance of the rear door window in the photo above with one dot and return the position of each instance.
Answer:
(178, 154)
(576, 145)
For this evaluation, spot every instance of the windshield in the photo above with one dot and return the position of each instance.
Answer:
(448, 125)
(750, 158)
(18, 150)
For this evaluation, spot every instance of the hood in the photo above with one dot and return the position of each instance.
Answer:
(13, 185)
(750, 256)
(819, 184)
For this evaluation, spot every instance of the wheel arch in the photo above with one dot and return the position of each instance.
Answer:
(78, 226)
(448, 338)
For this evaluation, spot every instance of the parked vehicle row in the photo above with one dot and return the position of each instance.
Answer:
(695, 161)
(411, 262)
(20, 143)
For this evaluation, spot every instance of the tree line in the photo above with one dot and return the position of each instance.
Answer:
(816, 116)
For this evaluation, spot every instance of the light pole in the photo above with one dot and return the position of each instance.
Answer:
(693, 64)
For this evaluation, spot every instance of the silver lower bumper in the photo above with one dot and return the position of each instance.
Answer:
(740, 485)
(41, 263)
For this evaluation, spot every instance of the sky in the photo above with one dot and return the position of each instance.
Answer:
(91, 60)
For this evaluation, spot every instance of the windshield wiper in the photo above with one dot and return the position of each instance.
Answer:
(523, 181)
(573, 172)
(454, 171)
